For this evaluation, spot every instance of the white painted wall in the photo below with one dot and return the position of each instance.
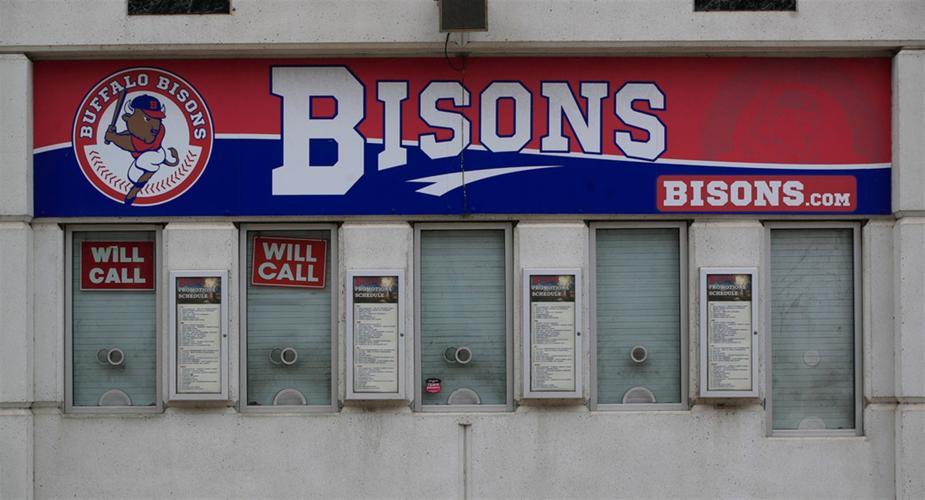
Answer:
(365, 247)
(722, 243)
(48, 313)
(15, 134)
(374, 26)
(196, 246)
(550, 245)
(877, 275)
(388, 450)
(908, 122)
(909, 270)
(16, 453)
(536, 452)
(16, 277)
(383, 451)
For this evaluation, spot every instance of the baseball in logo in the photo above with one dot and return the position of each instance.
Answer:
(143, 136)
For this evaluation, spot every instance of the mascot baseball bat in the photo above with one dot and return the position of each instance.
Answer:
(115, 115)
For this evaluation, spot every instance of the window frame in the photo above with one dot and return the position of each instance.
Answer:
(69, 406)
(332, 279)
(768, 356)
(683, 280)
(507, 227)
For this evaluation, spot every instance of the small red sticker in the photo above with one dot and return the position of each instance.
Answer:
(432, 385)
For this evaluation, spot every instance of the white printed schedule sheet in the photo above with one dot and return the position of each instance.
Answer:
(729, 310)
(375, 334)
(552, 333)
(199, 335)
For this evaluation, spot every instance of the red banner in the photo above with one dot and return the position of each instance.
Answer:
(117, 265)
(289, 262)
(393, 136)
(757, 193)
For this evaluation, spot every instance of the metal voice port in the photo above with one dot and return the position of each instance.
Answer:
(111, 356)
(457, 355)
(285, 356)
(639, 354)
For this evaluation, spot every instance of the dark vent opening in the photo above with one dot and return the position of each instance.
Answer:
(733, 5)
(463, 15)
(172, 7)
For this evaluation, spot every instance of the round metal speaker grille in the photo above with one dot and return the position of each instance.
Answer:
(464, 396)
(289, 397)
(115, 397)
(638, 395)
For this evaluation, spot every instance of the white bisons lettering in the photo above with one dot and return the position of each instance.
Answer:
(298, 265)
(444, 106)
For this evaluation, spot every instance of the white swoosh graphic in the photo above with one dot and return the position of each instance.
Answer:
(444, 183)
(671, 161)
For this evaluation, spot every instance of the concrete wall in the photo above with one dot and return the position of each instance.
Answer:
(371, 26)
(909, 269)
(388, 450)
(16, 277)
(548, 451)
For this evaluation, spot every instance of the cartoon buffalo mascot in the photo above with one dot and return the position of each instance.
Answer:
(142, 138)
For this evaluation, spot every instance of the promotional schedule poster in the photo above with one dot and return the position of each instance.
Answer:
(729, 332)
(199, 335)
(375, 334)
(552, 333)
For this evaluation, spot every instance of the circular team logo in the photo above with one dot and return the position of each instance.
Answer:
(143, 136)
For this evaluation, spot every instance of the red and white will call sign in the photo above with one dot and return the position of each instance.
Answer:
(117, 265)
(289, 262)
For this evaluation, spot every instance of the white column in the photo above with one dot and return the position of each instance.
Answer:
(16, 378)
(715, 243)
(195, 246)
(371, 246)
(550, 245)
(909, 269)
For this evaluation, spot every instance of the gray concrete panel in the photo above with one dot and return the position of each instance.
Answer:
(15, 135)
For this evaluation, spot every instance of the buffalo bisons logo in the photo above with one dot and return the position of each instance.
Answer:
(143, 136)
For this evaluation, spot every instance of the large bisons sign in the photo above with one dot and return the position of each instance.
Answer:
(501, 136)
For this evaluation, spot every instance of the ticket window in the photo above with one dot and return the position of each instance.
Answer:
(289, 306)
(113, 320)
(464, 323)
(815, 336)
(638, 311)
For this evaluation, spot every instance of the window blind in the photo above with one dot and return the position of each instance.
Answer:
(103, 319)
(812, 323)
(463, 303)
(279, 317)
(638, 304)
